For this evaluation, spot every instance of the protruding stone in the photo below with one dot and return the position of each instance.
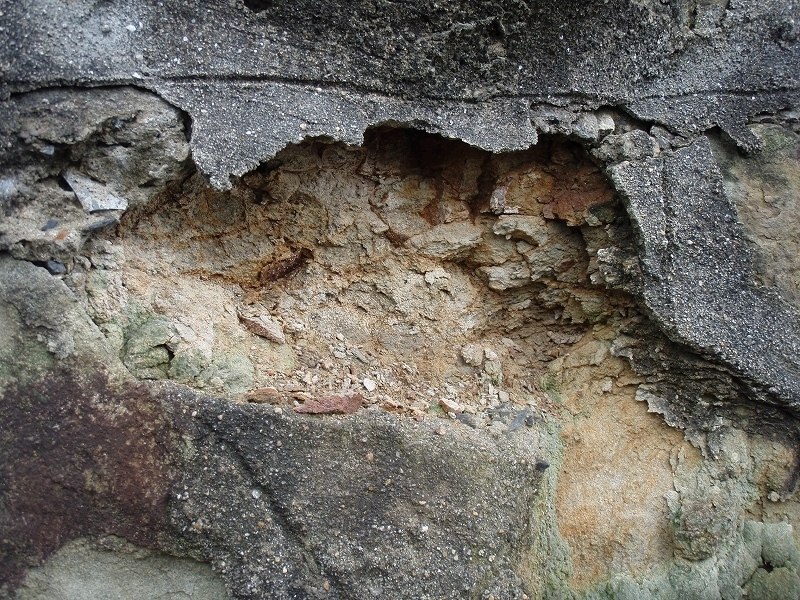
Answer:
(530, 228)
(93, 195)
(450, 406)
(448, 241)
(472, 355)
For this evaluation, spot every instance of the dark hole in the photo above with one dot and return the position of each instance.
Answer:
(497, 30)
(258, 6)
(62, 183)
(767, 567)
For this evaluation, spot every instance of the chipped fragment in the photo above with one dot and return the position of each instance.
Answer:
(264, 395)
(343, 404)
(265, 327)
(93, 195)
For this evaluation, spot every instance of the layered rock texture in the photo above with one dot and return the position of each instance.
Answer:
(399, 300)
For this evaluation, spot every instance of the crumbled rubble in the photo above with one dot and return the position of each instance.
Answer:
(385, 270)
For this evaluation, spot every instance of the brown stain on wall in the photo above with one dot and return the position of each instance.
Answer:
(610, 501)
(79, 458)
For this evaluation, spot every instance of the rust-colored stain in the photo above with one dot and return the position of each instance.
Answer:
(576, 193)
(281, 268)
(396, 239)
(79, 458)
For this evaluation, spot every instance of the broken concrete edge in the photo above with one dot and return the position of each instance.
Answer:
(221, 111)
(234, 130)
(698, 271)
(237, 127)
(240, 117)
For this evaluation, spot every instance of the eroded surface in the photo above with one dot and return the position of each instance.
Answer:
(477, 297)
(411, 270)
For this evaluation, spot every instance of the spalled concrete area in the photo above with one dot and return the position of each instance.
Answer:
(553, 301)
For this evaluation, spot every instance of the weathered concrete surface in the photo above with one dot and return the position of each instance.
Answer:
(698, 271)
(687, 65)
(669, 284)
(363, 506)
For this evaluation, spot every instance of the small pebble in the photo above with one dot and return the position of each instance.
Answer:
(50, 224)
(440, 430)
(450, 406)
(472, 355)
(370, 385)
(370, 456)
(262, 395)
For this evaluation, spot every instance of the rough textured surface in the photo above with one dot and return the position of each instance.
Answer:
(688, 65)
(549, 245)
(370, 505)
(698, 273)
